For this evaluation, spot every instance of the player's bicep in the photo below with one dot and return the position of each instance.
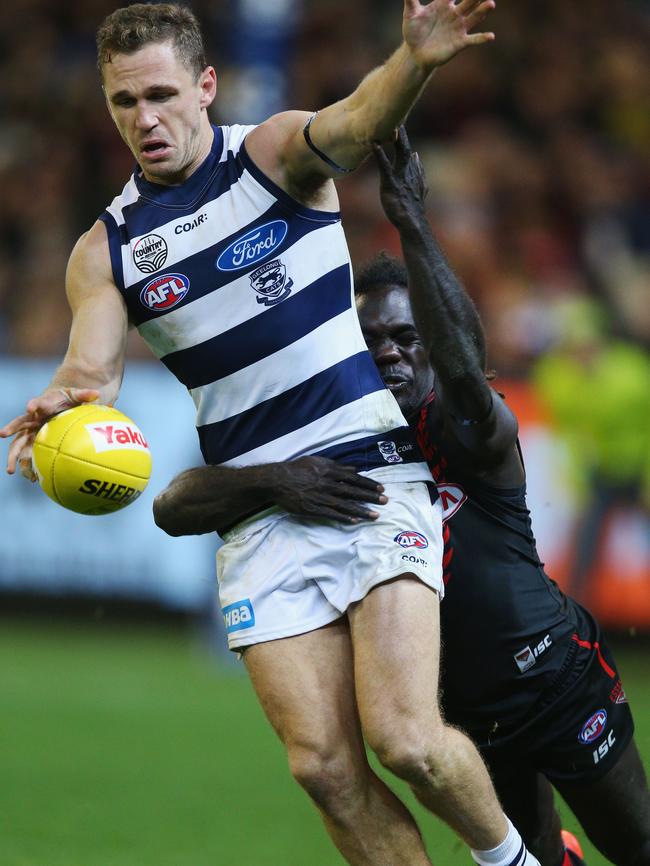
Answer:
(99, 317)
(294, 152)
(332, 141)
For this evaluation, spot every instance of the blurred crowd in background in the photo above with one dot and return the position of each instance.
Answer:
(537, 151)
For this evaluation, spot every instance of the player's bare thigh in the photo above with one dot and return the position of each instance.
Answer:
(305, 685)
(396, 635)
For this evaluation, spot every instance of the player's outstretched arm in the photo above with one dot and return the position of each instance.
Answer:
(444, 314)
(341, 135)
(215, 498)
(94, 362)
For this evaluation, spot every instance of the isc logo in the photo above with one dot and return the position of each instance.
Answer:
(527, 657)
(164, 292)
(599, 753)
(238, 615)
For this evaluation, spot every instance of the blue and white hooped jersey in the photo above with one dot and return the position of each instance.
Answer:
(246, 297)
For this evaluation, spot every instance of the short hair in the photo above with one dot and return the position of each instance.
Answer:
(380, 271)
(132, 27)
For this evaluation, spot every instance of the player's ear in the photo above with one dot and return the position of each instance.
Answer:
(208, 86)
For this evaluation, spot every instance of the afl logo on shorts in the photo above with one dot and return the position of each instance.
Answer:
(410, 538)
(164, 292)
(593, 727)
(150, 253)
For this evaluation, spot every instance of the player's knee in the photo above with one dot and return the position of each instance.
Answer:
(411, 753)
(328, 776)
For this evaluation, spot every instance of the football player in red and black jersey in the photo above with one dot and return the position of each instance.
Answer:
(525, 669)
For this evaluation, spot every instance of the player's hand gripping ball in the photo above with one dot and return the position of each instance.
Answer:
(92, 459)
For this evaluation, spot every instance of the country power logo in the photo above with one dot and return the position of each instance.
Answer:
(150, 253)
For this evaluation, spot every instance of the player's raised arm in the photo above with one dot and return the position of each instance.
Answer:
(444, 314)
(298, 153)
(94, 362)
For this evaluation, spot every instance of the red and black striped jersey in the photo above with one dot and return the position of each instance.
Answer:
(506, 626)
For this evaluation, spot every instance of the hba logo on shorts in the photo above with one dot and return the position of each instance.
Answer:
(255, 246)
(593, 727)
(410, 538)
(238, 615)
(150, 253)
(164, 292)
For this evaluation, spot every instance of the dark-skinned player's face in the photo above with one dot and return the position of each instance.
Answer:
(395, 345)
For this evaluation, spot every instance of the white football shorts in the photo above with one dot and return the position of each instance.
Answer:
(280, 575)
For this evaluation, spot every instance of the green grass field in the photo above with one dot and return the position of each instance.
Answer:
(135, 747)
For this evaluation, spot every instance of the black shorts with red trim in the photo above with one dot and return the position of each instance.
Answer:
(576, 731)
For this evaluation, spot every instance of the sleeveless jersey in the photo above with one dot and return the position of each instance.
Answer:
(508, 632)
(246, 297)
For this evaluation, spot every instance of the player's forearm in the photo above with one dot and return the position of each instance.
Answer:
(385, 97)
(213, 498)
(345, 131)
(446, 318)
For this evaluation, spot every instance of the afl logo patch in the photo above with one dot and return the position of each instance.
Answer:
(150, 253)
(255, 246)
(593, 727)
(164, 292)
(410, 538)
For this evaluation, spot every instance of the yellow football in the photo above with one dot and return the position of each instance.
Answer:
(92, 459)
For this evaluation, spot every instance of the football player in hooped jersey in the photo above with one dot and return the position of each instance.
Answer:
(525, 669)
(225, 250)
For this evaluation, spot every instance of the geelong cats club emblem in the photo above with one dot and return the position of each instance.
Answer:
(271, 283)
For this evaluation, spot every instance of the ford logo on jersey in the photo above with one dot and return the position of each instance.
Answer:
(164, 292)
(593, 727)
(254, 246)
(410, 538)
(238, 615)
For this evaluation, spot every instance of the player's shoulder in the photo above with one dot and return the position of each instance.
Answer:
(279, 150)
(90, 259)
(506, 420)
(271, 144)
(91, 242)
